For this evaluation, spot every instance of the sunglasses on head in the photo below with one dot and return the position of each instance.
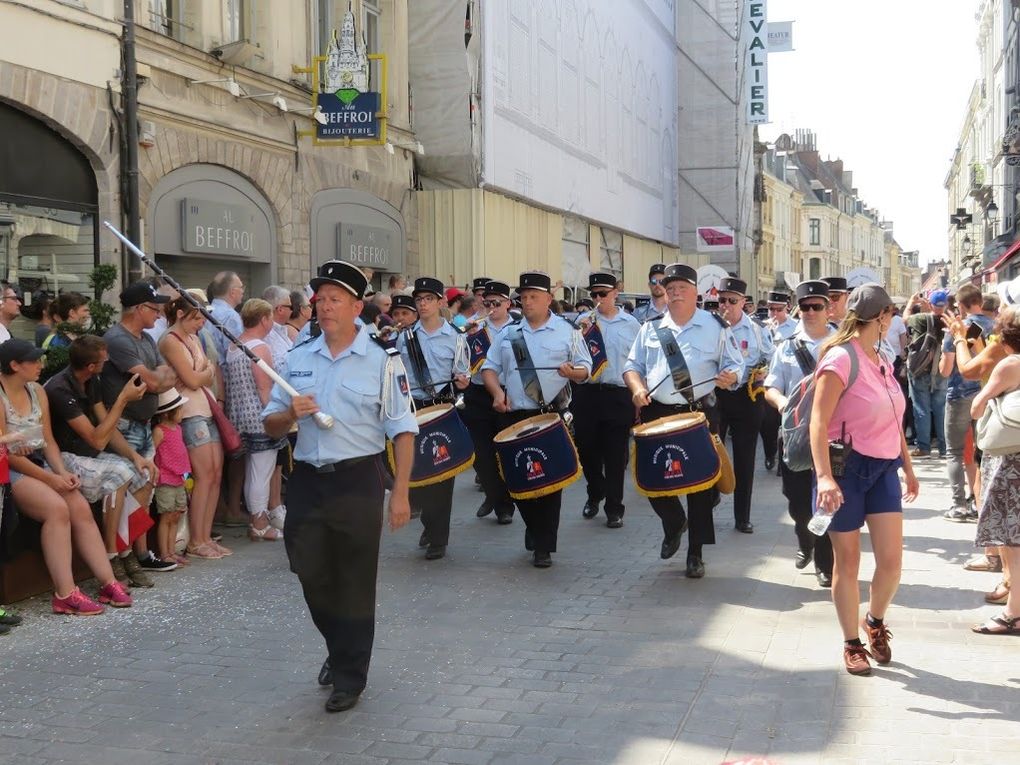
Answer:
(813, 306)
(731, 300)
(600, 294)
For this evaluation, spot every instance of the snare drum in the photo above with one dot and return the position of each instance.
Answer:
(536, 457)
(674, 455)
(442, 448)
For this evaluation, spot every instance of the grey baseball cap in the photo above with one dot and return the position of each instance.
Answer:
(868, 301)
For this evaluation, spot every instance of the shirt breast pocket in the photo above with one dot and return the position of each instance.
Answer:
(553, 354)
(304, 384)
(357, 399)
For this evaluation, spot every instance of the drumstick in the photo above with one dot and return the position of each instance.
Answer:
(548, 369)
(682, 388)
(322, 419)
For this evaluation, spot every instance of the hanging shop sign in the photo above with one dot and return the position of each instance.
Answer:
(347, 112)
(780, 36)
(716, 239)
(757, 61)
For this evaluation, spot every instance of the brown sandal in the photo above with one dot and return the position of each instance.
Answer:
(999, 625)
(998, 596)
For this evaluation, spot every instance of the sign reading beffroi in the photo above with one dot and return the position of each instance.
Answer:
(365, 245)
(215, 228)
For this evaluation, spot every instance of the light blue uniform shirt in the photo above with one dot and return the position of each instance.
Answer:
(349, 387)
(755, 345)
(707, 347)
(784, 371)
(555, 342)
(784, 331)
(440, 349)
(648, 311)
(230, 319)
(618, 334)
(495, 333)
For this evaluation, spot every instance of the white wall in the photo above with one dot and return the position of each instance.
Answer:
(579, 108)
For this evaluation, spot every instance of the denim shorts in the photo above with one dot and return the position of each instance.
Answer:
(199, 431)
(870, 485)
(138, 435)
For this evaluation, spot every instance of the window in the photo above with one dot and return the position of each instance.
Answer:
(370, 24)
(240, 20)
(815, 227)
(167, 18)
(576, 264)
(611, 252)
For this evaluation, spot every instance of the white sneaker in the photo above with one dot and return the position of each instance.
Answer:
(277, 516)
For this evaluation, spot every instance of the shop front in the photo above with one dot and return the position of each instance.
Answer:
(203, 219)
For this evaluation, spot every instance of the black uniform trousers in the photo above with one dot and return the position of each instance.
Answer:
(603, 417)
(797, 490)
(700, 504)
(742, 417)
(482, 422)
(331, 534)
(770, 422)
(541, 515)
(435, 501)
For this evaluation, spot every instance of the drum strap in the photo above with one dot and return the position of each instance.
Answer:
(674, 357)
(526, 368)
(804, 357)
(418, 363)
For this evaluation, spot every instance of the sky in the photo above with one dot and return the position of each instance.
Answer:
(884, 85)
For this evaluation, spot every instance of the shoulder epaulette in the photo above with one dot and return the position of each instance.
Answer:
(458, 330)
(390, 346)
(306, 341)
(720, 319)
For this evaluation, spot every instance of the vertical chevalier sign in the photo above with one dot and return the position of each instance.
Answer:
(757, 74)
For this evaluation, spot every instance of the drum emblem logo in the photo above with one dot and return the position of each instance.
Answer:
(534, 468)
(674, 467)
(440, 454)
(534, 461)
(673, 458)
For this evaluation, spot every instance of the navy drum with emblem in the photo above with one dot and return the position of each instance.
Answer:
(537, 457)
(675, 455)
(442, 448)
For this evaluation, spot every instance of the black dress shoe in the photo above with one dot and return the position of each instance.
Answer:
(824, 580)
(541, 559)
(483, 509)
(770, 463)
(745, 528)
(614, 523)
(435, 552)
(591, 509)
(670, 545)
(529, 543)
(695, 567)
(505, 517)
(341, 701)
(326, 674)
(802, 559)
(423, 540)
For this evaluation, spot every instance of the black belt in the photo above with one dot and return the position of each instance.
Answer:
(703, 403)
(332, 467)
(605, 386)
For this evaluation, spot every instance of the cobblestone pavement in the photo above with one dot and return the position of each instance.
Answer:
(611, 656)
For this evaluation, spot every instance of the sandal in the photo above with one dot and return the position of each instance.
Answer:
(268, 534)
(224, 551)
(999, 625)
(182, 560)
(205, 550)
(998, 596)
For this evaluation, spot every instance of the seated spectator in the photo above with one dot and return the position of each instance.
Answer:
(72, 314)
(248, 389)
(83, 429)
(300, 314)
(45, 491)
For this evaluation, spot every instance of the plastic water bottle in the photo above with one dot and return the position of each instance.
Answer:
(819, 523)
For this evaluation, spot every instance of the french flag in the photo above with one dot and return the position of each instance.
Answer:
(134, 521)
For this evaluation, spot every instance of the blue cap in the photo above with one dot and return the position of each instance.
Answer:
(938, 297)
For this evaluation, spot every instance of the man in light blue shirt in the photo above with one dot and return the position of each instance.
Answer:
(712, 359)
(656, 305)
(225, 291)
(603, 413)
(782, 326)
(336, 491)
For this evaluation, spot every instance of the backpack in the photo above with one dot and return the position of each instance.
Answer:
(795, 427)
(923, 349)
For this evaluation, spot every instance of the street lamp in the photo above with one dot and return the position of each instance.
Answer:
(967, 245)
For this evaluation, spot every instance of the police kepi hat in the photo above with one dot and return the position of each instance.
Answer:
(836, 284)
(679, 272)
(479, 283)
(733, 284)
(815, 288)
(141, 292)
(351, 278)
(602, 281)
(428, 284)
(657, 268)
(492, 287)
(535, 280)
(403, 301)
(778, 298)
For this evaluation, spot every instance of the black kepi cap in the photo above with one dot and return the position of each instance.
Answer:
(679, 272)
(778, 298)
(535, 280)
(428, 284)
(141, 292)
(584, 303)
(602, 280)
(403, 301)
(657, 268)
(733, 284)
(19, 350)
(836, 284)
(814, 288)
(492, 287)
(478, 283)
(351, 278)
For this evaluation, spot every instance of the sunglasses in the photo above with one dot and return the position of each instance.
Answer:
(813, 307)
(654, 282)
(731, 301)
(600, 294)
(492, 303)
(774, 308)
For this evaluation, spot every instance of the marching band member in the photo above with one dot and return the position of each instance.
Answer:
(552, 354)
(699, 348)
(435, 356)
(741, 414)
(481, 419)
(838, 292)
(335, 513)
(478, 285)
(782, 326)
(403, 311)
(795, 358)
(656, 306)
(603, 413)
